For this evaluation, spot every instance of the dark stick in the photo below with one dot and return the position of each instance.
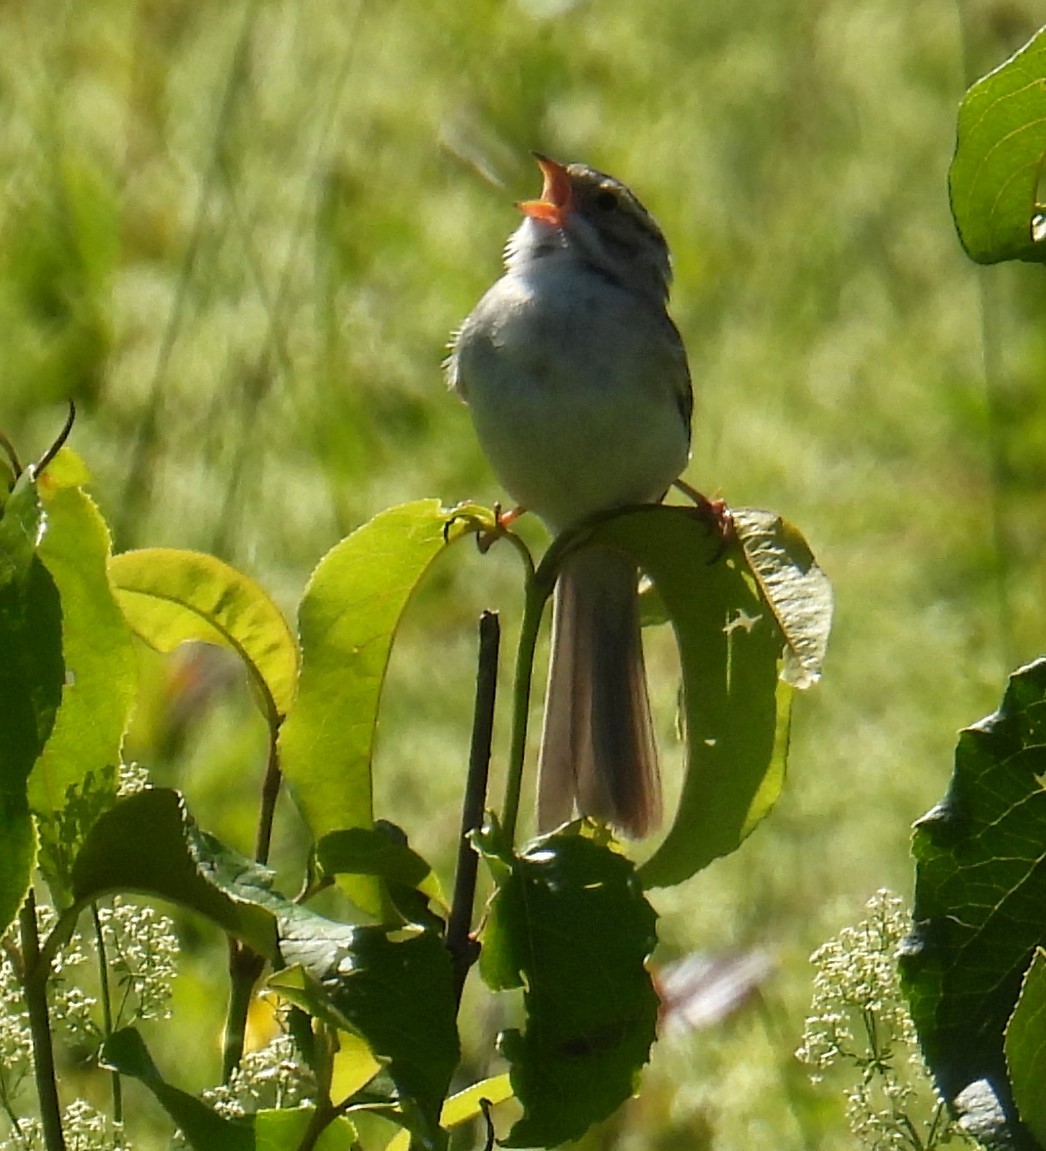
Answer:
(463, 950)
(36, 974)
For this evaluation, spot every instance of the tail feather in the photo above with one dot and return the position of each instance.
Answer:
(597, 747)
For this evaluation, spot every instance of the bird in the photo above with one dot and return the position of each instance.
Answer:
(579, 390)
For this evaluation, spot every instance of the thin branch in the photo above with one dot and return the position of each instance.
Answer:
(107, 1008)
(59, 442)
(270, 794)
(37, 971)
(463, 950)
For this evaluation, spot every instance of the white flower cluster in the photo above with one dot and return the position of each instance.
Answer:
(85, 1129)
(859, 1020)
(273, 1076)
(16, 1052)
(142, 954)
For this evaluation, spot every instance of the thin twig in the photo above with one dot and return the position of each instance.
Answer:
(36, 973)
(107, 1008)
(56, 447)
(270, 794)
(463, 950)
(245, 964)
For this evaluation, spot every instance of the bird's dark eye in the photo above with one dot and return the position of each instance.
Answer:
(605, 200)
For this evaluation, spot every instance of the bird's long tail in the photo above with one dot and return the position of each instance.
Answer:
(597, 746)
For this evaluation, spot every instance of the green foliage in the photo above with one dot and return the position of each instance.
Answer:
(171, 597)
(149, 843)
(735, 706)
(32, 673)
(568, 923)
(1026, 1048)
(392, 987)
(996, 174)
(125, 1052)
(979, 898)
(101, 672)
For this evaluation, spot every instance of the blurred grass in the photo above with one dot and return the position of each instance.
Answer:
(239, 235)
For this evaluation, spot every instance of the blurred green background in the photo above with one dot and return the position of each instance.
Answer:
(239, 234)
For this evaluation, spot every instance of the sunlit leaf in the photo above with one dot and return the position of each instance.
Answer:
(1026, 1048)
(736, 709)
(794, 587)
(994, 178)
(171, 597)
(980, 893)
(568, 923)
(101, 670)
(354, 1066)
(32, 672)
(283, 1129)
(463, 1107)
(346, 621)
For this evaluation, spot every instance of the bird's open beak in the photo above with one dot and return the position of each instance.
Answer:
(554, 204)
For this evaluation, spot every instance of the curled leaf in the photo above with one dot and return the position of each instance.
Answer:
(794, 587)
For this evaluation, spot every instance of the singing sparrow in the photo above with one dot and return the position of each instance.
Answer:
(577, 383)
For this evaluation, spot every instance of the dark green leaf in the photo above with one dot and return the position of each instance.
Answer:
(994, 177)
(32, 673)
(735, 707)
(1026, 1048)
(171, 597)
(149, 843)
(393, 988)
(980, 894)
(569, 923)
(124, 1051)
(381, 851)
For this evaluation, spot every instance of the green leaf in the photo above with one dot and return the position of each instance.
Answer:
(994, 177)
(980, 893)
(171, 597)
(463, 1107)
(736, 709)
(149, 843)
(346, 622)
(32, 673)
(568, 922)
(125, 1051)
(794, 588)
(381, 851)
(393, 988)
(102, 673)
(1026, 1048)
(283, 1130)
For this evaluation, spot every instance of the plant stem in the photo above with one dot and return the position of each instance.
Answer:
(245, 968)
(36, 974)
(245, 965)
(463, 950)
(107, 1008)
(536, 593)
(270, 794)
